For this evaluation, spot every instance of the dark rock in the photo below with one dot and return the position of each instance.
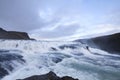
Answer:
(109, 43)
(6, 61)
(67, 46)
(13, 35)
(3, 51)
(2, 30)
(18, 35)
(8, 57)
(56, 60)
(49, 76)
(68, 78)
(53, 49)
(3, 72)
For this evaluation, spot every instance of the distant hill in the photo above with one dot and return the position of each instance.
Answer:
(109, 43)
(13, 35)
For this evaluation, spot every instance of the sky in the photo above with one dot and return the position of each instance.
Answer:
(61, 19)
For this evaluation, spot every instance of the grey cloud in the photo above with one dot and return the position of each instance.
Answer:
(25, 15)
(60, 31)
(20, 15)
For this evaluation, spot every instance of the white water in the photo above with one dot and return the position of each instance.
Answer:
(92, 64)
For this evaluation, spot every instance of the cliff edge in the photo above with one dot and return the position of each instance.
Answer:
(13, 35)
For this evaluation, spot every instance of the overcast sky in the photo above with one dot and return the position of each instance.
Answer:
(60, 19)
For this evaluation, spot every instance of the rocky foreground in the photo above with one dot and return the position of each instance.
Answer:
(49, 76)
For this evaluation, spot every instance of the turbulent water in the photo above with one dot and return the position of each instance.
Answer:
(20, 59)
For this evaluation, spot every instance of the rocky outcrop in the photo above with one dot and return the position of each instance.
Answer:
(6, 60)
(109, 43)
(49, 76)
(3, 72)
(13, 35)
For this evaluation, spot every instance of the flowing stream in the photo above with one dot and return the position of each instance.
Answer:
(20, 59)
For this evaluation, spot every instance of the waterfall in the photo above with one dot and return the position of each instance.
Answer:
(24, 58)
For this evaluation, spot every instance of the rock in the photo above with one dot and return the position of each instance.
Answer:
(13, 35)
(56, 60)
(2, 30)
(3, 72)
(68, 78)
(67, 46)
(109, 43)
(53, 49)
(18, 35)
(49, 76)
(6, 61)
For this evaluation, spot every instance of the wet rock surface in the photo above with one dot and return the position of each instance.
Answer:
(49, 76)
(7, 61)
(3, 72)
(67, 46)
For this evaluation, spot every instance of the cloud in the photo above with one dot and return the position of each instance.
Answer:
(72, 27)
(60, 31)
(97, 30)
(46, 15)
(60, 19)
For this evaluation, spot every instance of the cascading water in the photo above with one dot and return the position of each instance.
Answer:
(20, 59)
